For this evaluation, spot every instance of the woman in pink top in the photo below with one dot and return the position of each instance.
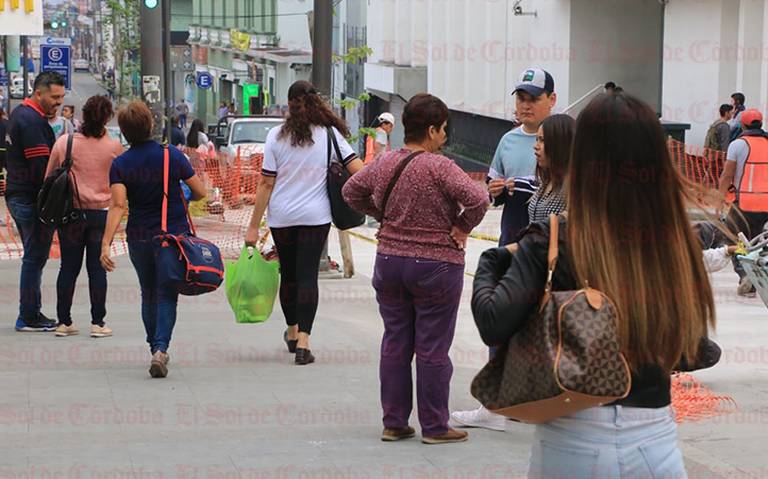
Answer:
(92, 154)
(419, 272)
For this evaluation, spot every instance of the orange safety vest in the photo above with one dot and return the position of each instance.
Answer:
(753, 187)
(370, 149)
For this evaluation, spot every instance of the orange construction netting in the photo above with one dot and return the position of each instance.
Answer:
(692, 401)
(222, 217)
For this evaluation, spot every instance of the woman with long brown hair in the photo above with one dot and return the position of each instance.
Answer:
(293, 186)
(627, 234)
(553, 153)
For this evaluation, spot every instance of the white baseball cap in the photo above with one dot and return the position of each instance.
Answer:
(387, 118)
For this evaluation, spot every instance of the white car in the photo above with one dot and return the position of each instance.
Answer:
(81, 65)
(17, 89)
(248, 134)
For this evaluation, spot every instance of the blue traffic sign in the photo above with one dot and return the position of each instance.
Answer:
(56, 55)
(204, 80)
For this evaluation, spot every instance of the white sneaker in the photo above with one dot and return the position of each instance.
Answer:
(480, 417)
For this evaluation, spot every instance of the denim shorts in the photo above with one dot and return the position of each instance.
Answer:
(608, 442)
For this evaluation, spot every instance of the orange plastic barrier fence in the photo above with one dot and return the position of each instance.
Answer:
(232, 183)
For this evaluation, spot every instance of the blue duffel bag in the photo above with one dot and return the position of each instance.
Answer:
(185, 263)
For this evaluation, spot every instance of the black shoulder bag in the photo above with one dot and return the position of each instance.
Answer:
(55, 202)
(343, 216)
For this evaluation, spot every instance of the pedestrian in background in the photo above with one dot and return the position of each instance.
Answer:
(631, 240)
(26, 160)
(377, 144)
(196, 136)
(92, 154)
(719, 133)
(177, 135)
(136, 177)
(293, 191)
(60, 125)
(738, 101)
(182, 110)
(419, 272)
(745, 169)
(68, 112)
(223, 110)
(511, 182)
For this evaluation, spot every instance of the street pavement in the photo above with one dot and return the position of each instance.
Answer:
(235, 406)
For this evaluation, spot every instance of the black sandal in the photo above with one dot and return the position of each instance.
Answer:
(291, 343)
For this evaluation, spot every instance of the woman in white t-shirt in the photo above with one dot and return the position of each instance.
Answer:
(293, 186)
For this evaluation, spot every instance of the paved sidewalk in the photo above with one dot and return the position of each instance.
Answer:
(234, 405)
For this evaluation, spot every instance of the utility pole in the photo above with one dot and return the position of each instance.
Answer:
(167, 68)
(24, 69)
(322, 46)
(322, 64)
(152, 62)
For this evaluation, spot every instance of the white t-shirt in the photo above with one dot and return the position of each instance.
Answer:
(300, 196)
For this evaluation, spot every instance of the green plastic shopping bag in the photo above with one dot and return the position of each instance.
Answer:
(251, 284)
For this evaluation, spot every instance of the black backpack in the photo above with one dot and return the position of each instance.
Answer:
(55, 202)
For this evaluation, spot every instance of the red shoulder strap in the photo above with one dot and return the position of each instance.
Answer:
(166, 181)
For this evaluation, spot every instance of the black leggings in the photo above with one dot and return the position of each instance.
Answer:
(300, 248)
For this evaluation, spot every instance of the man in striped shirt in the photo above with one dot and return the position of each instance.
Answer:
(31, 139)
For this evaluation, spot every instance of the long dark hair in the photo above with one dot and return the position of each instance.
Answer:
(193, 139)
(630, 235)
(97, 112)
(306, 108)
(558, 139)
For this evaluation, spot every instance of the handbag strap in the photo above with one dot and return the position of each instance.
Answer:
(554, 227)
(67, 165)
(391, 186)
(166, 181)
(332, 141)
(68, 157)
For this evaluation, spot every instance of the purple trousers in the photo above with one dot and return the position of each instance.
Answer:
(418, 300)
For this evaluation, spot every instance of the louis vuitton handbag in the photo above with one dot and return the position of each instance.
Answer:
(567, 357)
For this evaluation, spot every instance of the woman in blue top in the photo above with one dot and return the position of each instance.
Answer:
(136, 177)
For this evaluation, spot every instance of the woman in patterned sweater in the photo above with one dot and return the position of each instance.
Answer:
(551, 165)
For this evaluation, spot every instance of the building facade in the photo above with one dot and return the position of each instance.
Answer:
(684, 58)
(237, 42)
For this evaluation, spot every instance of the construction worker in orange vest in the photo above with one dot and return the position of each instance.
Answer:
(378, 144)
(746, 168)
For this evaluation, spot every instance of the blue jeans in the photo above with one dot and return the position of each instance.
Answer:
(609, 441)
(77, 239)
(36, 239)
(158, 305)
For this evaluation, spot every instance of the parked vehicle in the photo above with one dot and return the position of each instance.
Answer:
(81, 65)
(17, 89)
(248, 134)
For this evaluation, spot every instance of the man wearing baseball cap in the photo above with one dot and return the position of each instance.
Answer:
(748, 153)
(510, 183)
(514, 159)
(374, 146)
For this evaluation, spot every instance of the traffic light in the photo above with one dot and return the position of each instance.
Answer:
(54, 24)
(63, 23)
(150, 3)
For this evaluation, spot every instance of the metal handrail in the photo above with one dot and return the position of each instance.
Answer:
(590, 93)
